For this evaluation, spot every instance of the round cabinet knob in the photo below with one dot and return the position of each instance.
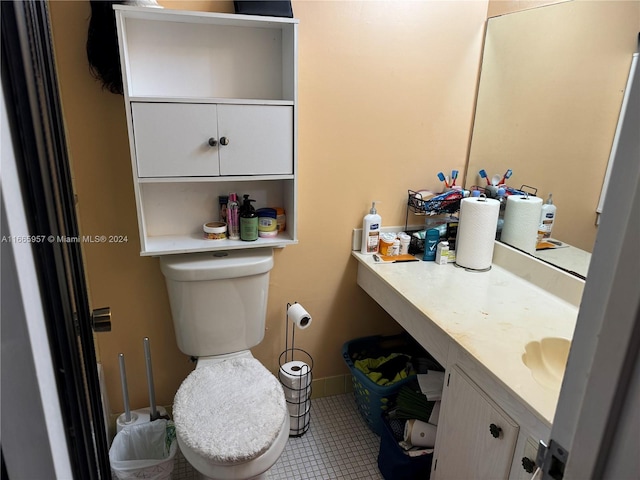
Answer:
(224, 141)
(213, 142)
(495, 430)
(528, 464)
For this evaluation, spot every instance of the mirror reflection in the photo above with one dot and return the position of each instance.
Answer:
(551, 87)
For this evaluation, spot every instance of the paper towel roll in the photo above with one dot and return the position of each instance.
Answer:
(295, 377)
(299, 316)
(419, 433)
(477, 232)
(521, 220)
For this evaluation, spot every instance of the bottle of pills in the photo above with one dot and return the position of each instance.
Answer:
(442, 253)
(396, 247)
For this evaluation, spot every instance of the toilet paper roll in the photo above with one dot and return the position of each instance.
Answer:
(298, 424)
(295, 377)
(477, 232)
(299, 316)
(298, 409)
(521, 220)
(419, 433)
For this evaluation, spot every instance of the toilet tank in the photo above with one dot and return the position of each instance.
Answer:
(218, 299)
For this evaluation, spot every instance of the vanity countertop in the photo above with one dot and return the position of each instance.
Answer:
(491, 315)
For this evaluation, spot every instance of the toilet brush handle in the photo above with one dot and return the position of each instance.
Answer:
(152, 395)
(125, 390)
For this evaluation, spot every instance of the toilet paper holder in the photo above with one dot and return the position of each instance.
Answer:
(295, 375)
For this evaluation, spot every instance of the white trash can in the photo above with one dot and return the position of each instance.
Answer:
(145, 450)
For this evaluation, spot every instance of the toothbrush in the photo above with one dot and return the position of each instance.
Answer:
(484, 175)
(442, 178)
(454, 176)
(507, 175)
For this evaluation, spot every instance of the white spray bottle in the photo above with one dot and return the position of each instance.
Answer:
(371, 231)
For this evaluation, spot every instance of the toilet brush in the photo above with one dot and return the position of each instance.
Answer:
(154, 414)
(125, 390)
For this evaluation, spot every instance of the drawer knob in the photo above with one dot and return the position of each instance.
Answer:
(528, 464)
(224, 141)
(495, 430)
(213, 142)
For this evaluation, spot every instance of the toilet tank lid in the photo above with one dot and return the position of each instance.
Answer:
(192, 267)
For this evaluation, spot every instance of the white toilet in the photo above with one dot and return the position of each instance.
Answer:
(230, 413)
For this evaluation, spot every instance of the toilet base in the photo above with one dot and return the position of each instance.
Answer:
(262, 476)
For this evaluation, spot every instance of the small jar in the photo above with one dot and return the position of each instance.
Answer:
(215, 230)
(267, 222)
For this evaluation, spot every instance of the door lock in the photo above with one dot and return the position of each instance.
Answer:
(101, 319)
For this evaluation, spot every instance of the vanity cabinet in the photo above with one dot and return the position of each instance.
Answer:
(476, 439)
(211, 105)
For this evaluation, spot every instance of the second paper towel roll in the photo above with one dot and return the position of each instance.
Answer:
(521, 221)
(299, 316)
(477, 232)
(419, 433)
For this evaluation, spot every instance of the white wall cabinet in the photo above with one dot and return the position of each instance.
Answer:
(191, 140)
(211, 103)
(476, 439)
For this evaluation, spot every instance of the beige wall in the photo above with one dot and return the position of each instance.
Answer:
(386, 98)
(503, 7)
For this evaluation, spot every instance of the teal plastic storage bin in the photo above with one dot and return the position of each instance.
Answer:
(373, 399)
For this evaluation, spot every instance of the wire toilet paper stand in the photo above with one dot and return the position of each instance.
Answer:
(295, 375)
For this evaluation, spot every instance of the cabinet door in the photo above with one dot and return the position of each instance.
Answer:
(260, 139)
(172, 139)
(467, 448)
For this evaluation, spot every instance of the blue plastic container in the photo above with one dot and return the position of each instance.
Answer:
(373, 399)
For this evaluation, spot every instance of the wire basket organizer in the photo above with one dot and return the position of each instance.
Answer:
(434, 206)
(296, 375)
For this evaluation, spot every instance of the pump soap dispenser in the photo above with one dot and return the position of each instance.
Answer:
(248, 220)
(371, 231)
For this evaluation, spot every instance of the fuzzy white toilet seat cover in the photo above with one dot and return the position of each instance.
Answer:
(231, 411)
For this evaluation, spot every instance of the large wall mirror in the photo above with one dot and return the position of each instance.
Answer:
(550, 92)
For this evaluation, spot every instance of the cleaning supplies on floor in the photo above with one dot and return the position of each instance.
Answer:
(371, 224)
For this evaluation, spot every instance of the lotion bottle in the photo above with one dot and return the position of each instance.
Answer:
(547, 217)
(371, 231)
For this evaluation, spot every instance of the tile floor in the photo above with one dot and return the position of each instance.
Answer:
(338, 445)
